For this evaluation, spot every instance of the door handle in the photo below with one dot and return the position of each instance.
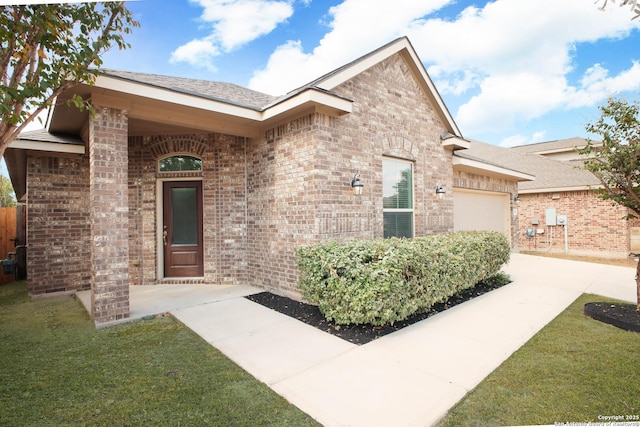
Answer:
(164, 237)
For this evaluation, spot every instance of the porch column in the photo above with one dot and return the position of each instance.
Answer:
(108, 170)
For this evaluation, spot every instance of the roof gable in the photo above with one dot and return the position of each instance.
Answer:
(404, 47)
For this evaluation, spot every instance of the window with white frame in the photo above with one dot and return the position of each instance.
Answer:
(397, 184)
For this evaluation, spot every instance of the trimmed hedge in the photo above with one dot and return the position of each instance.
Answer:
(380, 282)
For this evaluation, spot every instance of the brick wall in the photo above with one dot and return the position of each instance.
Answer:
(282, 187)
(299, 174)
(58, 225)
(226, 211)
(109, 214)
(594, 225)
(393, 116)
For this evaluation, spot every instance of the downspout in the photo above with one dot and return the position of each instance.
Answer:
(246, 209)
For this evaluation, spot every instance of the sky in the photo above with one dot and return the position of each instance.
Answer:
(511, 72)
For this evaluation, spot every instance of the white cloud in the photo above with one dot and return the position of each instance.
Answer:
(233, 24)
(509, 98)
(519, 54)
(517, 140)
(357, 27)
(515, 57)
(596, 85)
(199, 53)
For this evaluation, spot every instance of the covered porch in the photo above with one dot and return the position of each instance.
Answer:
(96, 195)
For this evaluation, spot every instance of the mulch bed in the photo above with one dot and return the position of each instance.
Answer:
(360, 334)
(623, 316)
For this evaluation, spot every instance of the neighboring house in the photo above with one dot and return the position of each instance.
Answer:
(562, 198)
(565, 150)
(184, 181)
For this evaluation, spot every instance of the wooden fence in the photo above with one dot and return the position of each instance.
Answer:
(7, 234)
(12, 227)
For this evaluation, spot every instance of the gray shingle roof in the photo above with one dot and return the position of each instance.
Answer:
(42, 135)
(549, 173)
(559, 144)
(219, 91)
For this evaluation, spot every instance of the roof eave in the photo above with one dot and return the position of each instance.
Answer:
(455, 143)
(321, 100)
(476, 166)
(559, 189)
(175, 97)
(47, 146)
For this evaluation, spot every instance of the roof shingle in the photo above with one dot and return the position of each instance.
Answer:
(549, 173)
(220, 91)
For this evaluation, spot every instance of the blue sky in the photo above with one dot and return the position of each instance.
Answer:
(511, 72)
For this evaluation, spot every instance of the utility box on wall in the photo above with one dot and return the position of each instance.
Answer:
(561, 219)
(550, 216)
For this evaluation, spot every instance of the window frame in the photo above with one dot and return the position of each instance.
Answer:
(410, 210)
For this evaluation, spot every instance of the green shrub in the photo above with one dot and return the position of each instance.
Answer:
(383, 281)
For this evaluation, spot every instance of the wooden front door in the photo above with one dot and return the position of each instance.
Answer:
(182, 229)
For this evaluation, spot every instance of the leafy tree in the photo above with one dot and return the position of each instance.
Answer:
(616, 163)
(7, 196)
(633, 4)
(47, 49)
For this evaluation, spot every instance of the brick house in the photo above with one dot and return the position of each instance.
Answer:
(562, 190)
(185, 181)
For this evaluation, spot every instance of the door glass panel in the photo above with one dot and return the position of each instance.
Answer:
(184, 216)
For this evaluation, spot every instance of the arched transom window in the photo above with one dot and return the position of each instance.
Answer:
(180, 163)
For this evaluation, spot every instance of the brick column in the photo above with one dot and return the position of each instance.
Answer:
(108, 171)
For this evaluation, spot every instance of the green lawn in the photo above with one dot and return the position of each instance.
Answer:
(57, 369)
(575, 370)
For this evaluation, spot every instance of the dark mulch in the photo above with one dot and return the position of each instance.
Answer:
(623, 316)
(361, 334)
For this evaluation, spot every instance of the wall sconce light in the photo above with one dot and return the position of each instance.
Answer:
(357, 185)
(440, 191)
(517, 199)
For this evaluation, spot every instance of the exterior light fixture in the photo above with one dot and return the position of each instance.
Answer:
(357, 185)
(440, 191)
(517, 199)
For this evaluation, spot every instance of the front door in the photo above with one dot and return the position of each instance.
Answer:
(182, 229)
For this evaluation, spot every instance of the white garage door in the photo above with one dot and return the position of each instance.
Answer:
(481, 210)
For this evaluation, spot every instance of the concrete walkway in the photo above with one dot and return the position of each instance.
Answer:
(409, 378)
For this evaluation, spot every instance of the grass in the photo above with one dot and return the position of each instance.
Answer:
(57, 369)
(621, 262)
(575, 370)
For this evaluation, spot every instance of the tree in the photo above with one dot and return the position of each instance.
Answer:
(633, 4)
(47, 49)
(7, 196)
(616, 163)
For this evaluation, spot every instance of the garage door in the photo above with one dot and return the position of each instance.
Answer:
(481, 210)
